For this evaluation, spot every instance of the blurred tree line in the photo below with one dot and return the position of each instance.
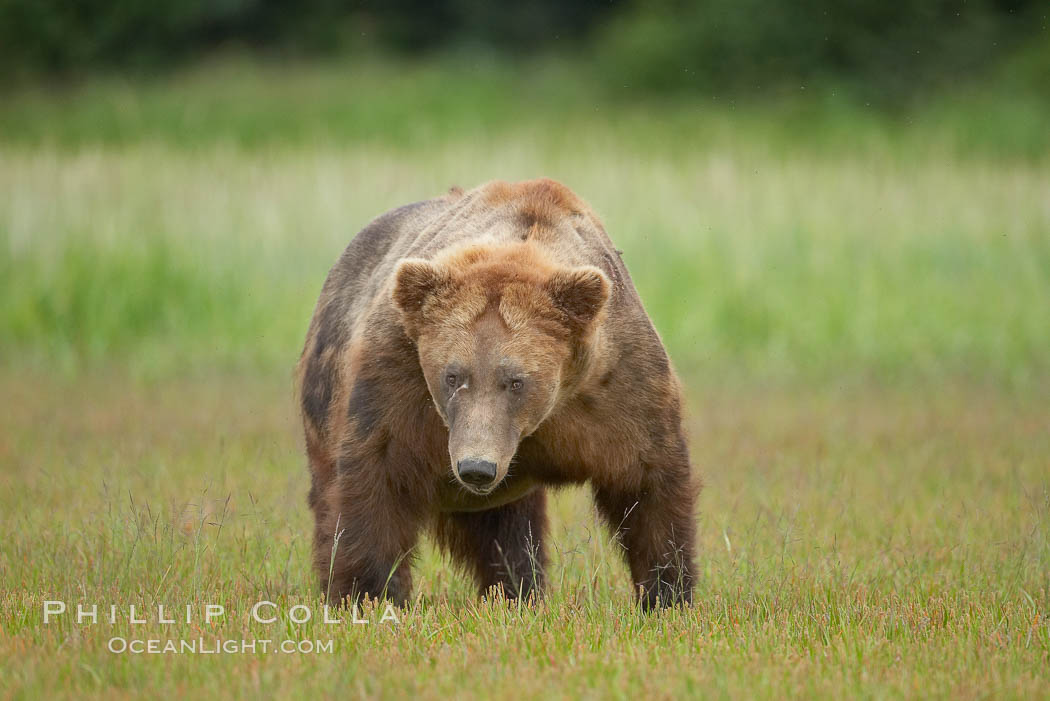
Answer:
(659, 45)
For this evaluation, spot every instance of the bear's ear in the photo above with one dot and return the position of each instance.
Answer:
(415, 280)
(580, 293)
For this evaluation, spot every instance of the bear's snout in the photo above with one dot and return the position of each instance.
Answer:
(479, 474)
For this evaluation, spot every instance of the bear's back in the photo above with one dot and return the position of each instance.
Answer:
(542, 211)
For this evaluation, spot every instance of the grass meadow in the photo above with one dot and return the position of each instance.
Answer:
(858, 303)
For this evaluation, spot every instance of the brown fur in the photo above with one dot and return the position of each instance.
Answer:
(520, 270)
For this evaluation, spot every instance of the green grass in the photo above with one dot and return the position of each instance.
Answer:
(412, 106)
(856, 302)
(772, 267)
(852, 544)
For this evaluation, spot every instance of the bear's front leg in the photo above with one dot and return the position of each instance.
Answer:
(655, 525)
(503, 547)
(364, 539)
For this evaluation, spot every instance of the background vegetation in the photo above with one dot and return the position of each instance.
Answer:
(837, 215)
(884, 50)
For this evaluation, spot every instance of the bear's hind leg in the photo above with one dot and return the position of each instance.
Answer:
(503, 547)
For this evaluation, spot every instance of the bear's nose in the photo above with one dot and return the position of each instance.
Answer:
(477, 473)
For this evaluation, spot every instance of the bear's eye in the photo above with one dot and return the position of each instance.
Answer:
(516, 385)
(451, 380)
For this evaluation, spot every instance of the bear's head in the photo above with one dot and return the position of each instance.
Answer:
(502, 333)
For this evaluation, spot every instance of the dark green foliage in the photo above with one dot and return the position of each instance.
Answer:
(59, 35)
(873, 48)
(415, 25)
(879, 48)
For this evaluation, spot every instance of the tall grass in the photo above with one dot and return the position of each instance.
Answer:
(888, 264)
(412, 106)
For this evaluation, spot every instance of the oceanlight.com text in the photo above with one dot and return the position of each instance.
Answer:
(200, 646)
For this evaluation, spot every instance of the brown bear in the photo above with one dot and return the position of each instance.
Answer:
(466, 353)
